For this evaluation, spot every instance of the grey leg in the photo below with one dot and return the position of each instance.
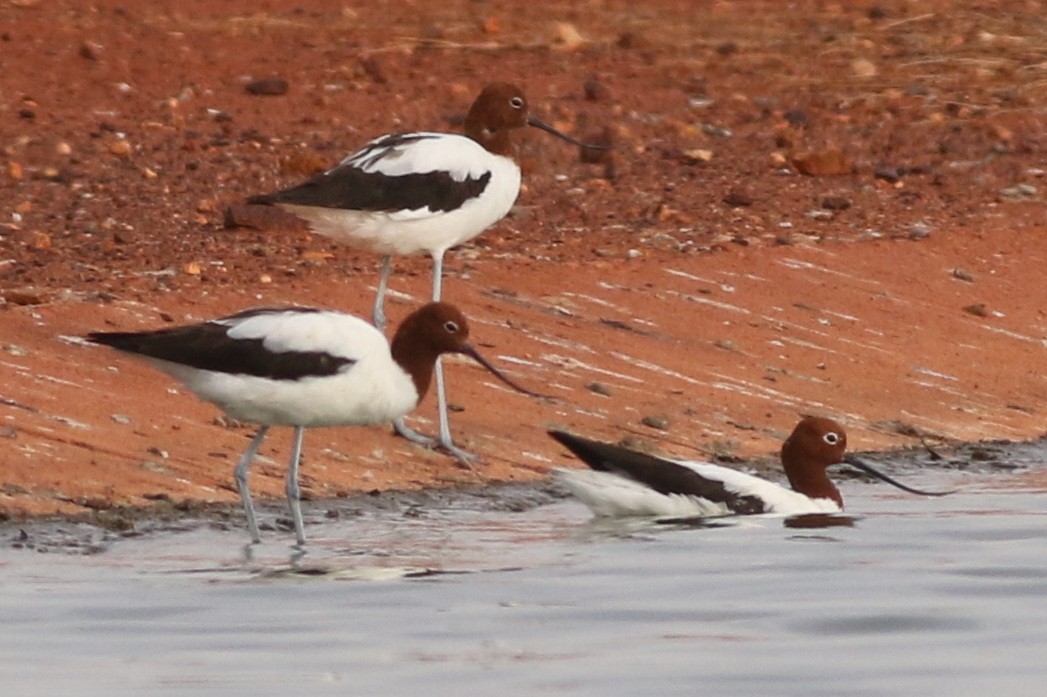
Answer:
(240, 474)
(441, 395)
(378, 318)
(438, 276)
(445, 427)
(294, 493)
(445, 441)
(402, 428)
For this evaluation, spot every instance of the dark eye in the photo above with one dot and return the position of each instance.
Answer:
(451, 326)
(831, 438)
(516, 102)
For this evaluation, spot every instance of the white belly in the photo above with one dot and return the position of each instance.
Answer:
(356, 397)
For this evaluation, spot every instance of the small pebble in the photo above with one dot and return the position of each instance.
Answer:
(836, 203)
(120, 148)
(726, 344)
(822, 163)
(977, 309)
(891, 175)
(739, 198)
(1019, 191)
(27, 295)
(599, 388)
(863, 68)
(918, 231)
(268, 87)
(90, 50)
(657, 422)
(596, 91)
(696, 155)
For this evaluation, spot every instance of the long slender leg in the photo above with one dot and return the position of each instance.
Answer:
(438, 276)
(402, 428)
(441, 395)
(240, 474)
(445, 441)
(378, 318)
(294, 493)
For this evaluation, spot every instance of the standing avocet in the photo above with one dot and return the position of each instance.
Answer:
(303, 367)
(408, 193)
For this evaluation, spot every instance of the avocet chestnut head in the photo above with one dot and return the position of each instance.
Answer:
(623, 482)
(303, 367)
(408, 193)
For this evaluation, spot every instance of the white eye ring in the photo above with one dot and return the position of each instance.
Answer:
(516, 102)
(451, 326)
(832, 438)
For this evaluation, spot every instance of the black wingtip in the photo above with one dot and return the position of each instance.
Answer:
(568, 440)
(262, 200)
(561, 437)
(595, 454)
(119, 340)
(103, 338)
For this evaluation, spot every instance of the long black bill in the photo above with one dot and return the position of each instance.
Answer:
(854, 461)
(474, 354)
(542, 125)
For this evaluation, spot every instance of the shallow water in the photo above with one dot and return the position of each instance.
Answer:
(917, 597)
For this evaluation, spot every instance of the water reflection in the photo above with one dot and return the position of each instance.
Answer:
(820, 520)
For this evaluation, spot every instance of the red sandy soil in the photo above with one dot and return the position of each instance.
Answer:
(811, 207)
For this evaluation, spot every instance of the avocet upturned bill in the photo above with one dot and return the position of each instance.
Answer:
(303, 367)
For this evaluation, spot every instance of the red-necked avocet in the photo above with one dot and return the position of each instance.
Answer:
(408, 193)
(623, 482)
(303, 367)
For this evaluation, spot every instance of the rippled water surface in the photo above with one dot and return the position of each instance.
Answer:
(916, 597)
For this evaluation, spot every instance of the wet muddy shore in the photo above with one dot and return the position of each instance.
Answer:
(997, 464)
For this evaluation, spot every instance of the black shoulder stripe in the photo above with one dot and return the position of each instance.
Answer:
(349, 188)
(374, 152)
(208, 347)
(257, 311)
(663, 476)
